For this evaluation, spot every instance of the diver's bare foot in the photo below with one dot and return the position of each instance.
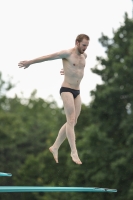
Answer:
(75, 158)
(55, 153)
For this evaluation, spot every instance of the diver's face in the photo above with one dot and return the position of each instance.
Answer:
(82, 46)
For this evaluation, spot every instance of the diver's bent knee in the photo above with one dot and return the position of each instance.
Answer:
(71, 122)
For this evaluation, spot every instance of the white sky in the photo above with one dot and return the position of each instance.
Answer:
(33, 28)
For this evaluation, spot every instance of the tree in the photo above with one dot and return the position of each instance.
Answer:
(25, 128)
(111, 110)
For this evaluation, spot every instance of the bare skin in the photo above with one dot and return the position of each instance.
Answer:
(73, 70)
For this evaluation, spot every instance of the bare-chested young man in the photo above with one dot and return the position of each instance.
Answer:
(73, 69)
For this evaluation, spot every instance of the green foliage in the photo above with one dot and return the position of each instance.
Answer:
(112, 105)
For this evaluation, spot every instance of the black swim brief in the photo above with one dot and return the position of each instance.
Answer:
(74, 92)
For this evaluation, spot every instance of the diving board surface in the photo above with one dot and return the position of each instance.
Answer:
(53, 189)
(5, 174)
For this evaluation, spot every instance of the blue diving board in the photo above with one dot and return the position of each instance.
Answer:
(53, 189)
(5, 174)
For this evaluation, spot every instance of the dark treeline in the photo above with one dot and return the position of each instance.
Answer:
(104, 133)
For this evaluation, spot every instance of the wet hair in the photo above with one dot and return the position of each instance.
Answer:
(80, 37)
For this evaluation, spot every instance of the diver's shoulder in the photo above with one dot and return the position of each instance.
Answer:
(85, 55)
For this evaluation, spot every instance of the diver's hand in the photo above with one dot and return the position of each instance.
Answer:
(62, 72)
(25, 64)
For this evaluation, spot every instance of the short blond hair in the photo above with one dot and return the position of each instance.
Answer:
(80, 37)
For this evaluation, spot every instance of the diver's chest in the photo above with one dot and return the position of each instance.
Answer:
(77, 63)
